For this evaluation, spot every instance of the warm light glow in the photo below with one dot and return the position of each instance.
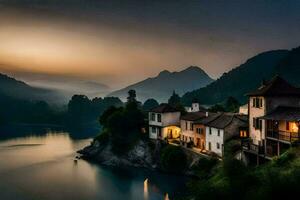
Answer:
(294, 127)
(167, 196)
(146, 192)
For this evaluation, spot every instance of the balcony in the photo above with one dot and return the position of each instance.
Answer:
(252, 148)
(285, 136)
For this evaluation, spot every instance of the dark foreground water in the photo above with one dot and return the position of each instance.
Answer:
(42, 168)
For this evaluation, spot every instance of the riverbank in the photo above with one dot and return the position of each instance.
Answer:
(145, 154)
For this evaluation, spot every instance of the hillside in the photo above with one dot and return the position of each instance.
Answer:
(239, 80)
(161, 86)
(10, 87)
(289, 67)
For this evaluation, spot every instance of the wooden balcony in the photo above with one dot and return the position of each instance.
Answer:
(252, 148)
(284, 136)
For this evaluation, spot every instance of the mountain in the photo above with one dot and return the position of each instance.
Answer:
(289, 67)
(161, 86)
(12, 88)
(240, 80)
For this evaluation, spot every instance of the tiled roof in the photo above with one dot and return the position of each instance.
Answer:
(284, 113)
(193, 116)
(222, 120)
(164, 108)
(276, 87)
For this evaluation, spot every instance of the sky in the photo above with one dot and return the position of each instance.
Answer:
(120, 42)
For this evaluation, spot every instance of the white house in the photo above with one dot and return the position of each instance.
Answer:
(222, 127)
(243, 109)
(274, 112)
(164, 122)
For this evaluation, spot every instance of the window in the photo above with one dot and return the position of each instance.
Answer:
(257, 102)
(257, 123)
(209, 131)
(152, 116)
(218, 132)
(186, 125)
(209, 146)
(159, 117)
(199, 130)
(191, 126)
(243, 134)
(218, 145)
(153, 129)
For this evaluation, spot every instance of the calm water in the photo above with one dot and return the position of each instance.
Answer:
(42, 168)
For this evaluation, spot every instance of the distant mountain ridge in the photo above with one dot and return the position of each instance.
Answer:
(12, 88)
(248, 76)
(161, 86)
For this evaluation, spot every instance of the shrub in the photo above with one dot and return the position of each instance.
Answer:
(173, 159)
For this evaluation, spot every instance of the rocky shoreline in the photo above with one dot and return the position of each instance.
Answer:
(145, 154)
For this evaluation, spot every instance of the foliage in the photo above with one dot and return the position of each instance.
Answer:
(233, 180)
(217, 108)
(173, 159)
(102, 138)
(232, 105)
(150, 104)
(82, 110)
(123, 125)
(174, 100)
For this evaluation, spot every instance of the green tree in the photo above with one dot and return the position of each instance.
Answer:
(232, 105)
(173, 159)
(174, 100)
(150, 104)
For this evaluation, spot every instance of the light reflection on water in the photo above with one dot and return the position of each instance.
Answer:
(42, 167)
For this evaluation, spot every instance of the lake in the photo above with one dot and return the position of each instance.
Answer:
(42, 167)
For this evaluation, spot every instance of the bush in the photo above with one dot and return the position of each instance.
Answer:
(102, 138)
(173, 159)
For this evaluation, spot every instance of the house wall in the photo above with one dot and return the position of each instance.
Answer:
(153, 134)
(199, 138)
(255, 134)
(172, 118)
(154, 122)
(269, 104)
(244, 109)
(174, 129)
(187, 134)
(213, 139)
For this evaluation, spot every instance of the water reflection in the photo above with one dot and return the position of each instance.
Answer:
(42, 167)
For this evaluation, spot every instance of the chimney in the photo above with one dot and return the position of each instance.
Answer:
(206, 114)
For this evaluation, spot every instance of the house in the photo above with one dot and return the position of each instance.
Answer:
(192, 135)
(164, 122)
(274, 114)
(244, 109)
(221, 127)
(195, 107)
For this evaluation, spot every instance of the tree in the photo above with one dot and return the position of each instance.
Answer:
(173, 159)
(150, 104)
(217, 108)
(232, 105)
(174, 100)
(131, 96)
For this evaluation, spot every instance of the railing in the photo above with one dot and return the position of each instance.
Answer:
(249, 146)
(283, 135)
